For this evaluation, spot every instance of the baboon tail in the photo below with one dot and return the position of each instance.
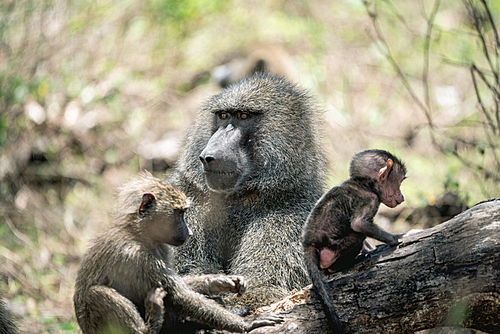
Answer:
(323, 291)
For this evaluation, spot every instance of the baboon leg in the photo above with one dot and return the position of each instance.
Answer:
(347, 249)
(108, 311)
(155, 309)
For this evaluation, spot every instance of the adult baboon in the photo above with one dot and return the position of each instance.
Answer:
(254, 167)
(262, 58)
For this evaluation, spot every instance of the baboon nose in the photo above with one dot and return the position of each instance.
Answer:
(206, 160)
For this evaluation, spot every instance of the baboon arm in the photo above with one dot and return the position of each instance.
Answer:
(105, 308)
(215, 284)
(198, 283)
(362, 222)
(195, 306)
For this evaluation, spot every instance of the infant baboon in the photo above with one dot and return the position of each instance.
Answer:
(127, 269)
(337, 227)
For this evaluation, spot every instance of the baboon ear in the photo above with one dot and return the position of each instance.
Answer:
(384, 171)
(147, 200)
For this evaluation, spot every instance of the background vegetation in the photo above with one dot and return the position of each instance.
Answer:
(92, 91)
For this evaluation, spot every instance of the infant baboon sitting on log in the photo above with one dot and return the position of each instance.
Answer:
(127, 269)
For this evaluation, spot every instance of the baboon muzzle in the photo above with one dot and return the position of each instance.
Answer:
(223, 159)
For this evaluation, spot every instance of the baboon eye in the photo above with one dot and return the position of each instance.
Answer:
(179, 213)
(224, 115)
(244, 116)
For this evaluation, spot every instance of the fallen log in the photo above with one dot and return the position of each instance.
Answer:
(448, 275)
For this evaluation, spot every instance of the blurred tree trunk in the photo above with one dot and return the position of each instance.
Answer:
(448, 275)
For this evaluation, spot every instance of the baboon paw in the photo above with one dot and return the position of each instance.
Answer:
(155, 296)
(227, 283)
(402, 236)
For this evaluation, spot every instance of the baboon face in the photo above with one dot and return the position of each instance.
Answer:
(164, 222)
(178, 231)
(389, 182)
(390, 192)
(226, 160)
(386, 170)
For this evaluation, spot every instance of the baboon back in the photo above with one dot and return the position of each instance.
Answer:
(253, 228)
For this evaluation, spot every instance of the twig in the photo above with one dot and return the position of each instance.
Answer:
(20, 235)
(477, 25)
(390, 58)
(473, 70)
(495, 31)
(425, 72)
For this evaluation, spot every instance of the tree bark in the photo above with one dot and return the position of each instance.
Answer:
(448, 275)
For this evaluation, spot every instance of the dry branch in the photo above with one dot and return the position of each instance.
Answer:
(446, 275)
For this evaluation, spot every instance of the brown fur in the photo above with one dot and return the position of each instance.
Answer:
(337, 227)
(127, 269)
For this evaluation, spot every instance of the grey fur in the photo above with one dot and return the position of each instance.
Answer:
(7, 323)
(255, 230)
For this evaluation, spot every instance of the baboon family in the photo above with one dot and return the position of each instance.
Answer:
(250, 174)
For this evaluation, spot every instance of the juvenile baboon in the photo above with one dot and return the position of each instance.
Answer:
(254, 167)
(337, 227)
(7, 323)
(127, 269)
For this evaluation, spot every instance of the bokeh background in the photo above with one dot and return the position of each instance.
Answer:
(93, 91)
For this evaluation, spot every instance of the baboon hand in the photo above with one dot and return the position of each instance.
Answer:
(265, 320)
(367, 247)
(154, 299)
(402, 236)
(227, 283)
(395, 240)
